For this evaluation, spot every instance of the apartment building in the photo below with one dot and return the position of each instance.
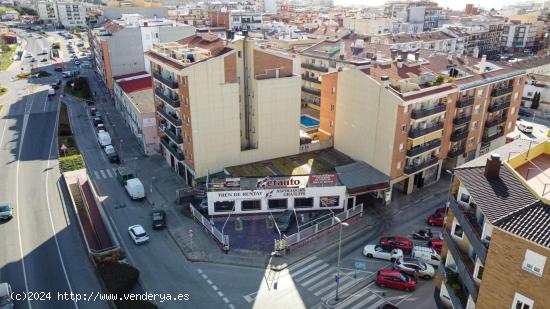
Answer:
(440, 41)
(371, 25)
(518, 38)
(419, 16)
(410, 113)
(133, 95)
(67, 14)
(478, 40)
(496, 235)
(109, 43)
(235, 19)
(223, 103)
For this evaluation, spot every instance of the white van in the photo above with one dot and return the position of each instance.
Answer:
(135, 189)
(104, 139)
(426, 254)
(525, 128)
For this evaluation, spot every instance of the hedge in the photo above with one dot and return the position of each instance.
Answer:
(71, 163)
(118, 277)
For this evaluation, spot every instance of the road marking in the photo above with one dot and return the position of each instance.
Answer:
(199, 270)
(362, 303)
(209, 281)
(295, 274)
(330, 280)
(103, 174)
(376, 304)
(342, 288)
(215, 288)
(220, 294)
(302, 262)
(226, 300)
(303, 277)
(204, 276)
(249, 297)
(114, 170)
(109, 173)
(231, 306)
(96, 175)
(324, 273)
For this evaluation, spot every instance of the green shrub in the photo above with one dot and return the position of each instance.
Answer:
(118, 277)
(71, 163)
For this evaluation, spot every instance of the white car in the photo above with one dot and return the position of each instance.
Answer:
(525, 128)
(382, 252)
(138, 234)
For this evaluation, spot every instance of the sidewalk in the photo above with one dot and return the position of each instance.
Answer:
(196, 244)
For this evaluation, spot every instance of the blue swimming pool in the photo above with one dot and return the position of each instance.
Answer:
(307, 121)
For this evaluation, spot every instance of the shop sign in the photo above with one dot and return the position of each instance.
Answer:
(326, 179)
(282, 182)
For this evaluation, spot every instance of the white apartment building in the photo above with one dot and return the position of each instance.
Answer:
(67, 14)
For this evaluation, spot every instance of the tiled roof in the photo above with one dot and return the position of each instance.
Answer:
(137, 84)
(497, 197)
(531, 223)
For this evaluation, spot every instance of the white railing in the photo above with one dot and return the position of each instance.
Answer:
(221, 238)
(315, 146)
(323, 225)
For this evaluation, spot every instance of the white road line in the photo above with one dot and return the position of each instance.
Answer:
(109, 173)
(204, 276)
(231, 306)
(114, 170)
(96, 175)
(363, 303)
(323, 282)
(376, 304)
(302, 262)
(324, 273)
(215, 288)
(199, 270)
(209, 281)
(314, 271)
(50, 211)
(226, 300)
(330, 286)
(295, 274)
(342, 288)
(249, 298)
(103, 174)
(220, 293)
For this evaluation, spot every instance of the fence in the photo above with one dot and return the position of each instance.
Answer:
(322, 226)
(222, 239)
(315, 146)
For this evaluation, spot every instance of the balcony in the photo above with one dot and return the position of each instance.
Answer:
(312, 91)
(487, 138)
(169, 116)
(471, 228)
(174, 102)
(454, 288)
(314, 67)
(311, 79)
(459, 135)
(498, 106)
(417, 132)
(421, 113)
(502, 91)
(411, 169)
(464, 264)
(462, 119)
(455, 152)
(174, 150)
(495, 121)
(168, 82)
(171, 133)
(465, 102)
(423, 148)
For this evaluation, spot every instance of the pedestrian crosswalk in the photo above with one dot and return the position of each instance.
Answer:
(319, 278)
(104, 173)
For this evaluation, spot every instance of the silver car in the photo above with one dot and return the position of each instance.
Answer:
(6, 212)
(414, 267)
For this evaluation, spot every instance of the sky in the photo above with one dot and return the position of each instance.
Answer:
(454, 4)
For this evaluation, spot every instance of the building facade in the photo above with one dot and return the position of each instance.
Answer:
(67, 14)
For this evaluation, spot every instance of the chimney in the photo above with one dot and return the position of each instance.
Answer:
(475, 53)
(482, 64)
(492, 167)
(416, 56)
(393, 54)
(385, 81)
(399, 63)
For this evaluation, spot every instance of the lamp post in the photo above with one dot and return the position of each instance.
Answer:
(339, 250)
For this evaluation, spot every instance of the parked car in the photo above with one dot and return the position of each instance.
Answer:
(6, 301)
(398, 242)
(415, 268)
(138, 234)
(395, 279)
(56, 84)
(437, 218)
(111, 153)
(96, 121)
(525, 128)
(426, 254)
(100, 127)
(159, 219)
(51, 92)
(525, 113)
(93, 111)
(436, 244)
(77, 62)
(6, 211)
(382, 252)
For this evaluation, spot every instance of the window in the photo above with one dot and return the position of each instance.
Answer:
(224, 206)
(329, 201)
(404, 128)
(331, 123)
(457, 231)
(303, 202)
(522, 302)
(251, 205)
(401, 148)
(474, 126)
(534, 262)
(332, 108)
(516, 96)
(239, 54)
(509, 125)
(398, 165)
(464, 198)
(529, 94)
(513, 110)
(406, 109)
(476, 110)
(480, 272)
(333, 90)
(277, 203)
(480, 93)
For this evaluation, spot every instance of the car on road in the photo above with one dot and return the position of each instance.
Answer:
(111, 153)
(395, 279)
(58, 69)
(398, 242)
(97, 120)
(382, 252)
(100, 127)
(51, 92)
(159, 219)
(6, 211)
(415, 268)
(77, 62)
(138, 234)
(525, 113)
(525, 128)
(56, 84)
(6, 302)
(426, 254)
(93, 111)
(437, 218)
(436, 244)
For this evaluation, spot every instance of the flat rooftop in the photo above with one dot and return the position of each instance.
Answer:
(533, 167)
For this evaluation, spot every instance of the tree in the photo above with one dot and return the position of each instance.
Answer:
(535, 101)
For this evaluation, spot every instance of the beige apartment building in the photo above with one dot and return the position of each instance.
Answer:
(410, 113)
(223, 103)
(497, 231)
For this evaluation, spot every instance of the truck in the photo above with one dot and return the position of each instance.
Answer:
(135, 189)
(104, 139)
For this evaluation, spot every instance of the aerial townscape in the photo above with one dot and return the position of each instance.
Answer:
(274, 154)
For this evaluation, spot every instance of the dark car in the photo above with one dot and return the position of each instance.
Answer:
(524, 113)
(58, 69)
(159, 219)
(56, 84)
(284, 220)
(93, 111)
(97, 121)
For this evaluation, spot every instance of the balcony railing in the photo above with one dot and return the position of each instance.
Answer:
(423, 148)
(455, 299)
(463, 271)
(316, 92)
(417, 132)
(459, 135)
(502, 91)
(170, 117)
(411, 169)
(174, 150)
(471, 228)
(465, 102)
(462, 119)
(168, 82)
(487, 138)
(453, 153)
(176, 138)
(421, 113)
(493, 122)
(314, 67)
(499, 106)
(174, 102)
(311, 79)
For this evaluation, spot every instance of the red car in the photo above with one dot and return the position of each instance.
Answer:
(395, 279)
(398, 242)
(436, 244)
(437, 218)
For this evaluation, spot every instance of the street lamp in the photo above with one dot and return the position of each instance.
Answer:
(339, 249)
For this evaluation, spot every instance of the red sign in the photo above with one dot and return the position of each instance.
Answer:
(326, 179)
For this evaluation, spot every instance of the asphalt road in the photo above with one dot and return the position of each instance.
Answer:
(42, 255)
